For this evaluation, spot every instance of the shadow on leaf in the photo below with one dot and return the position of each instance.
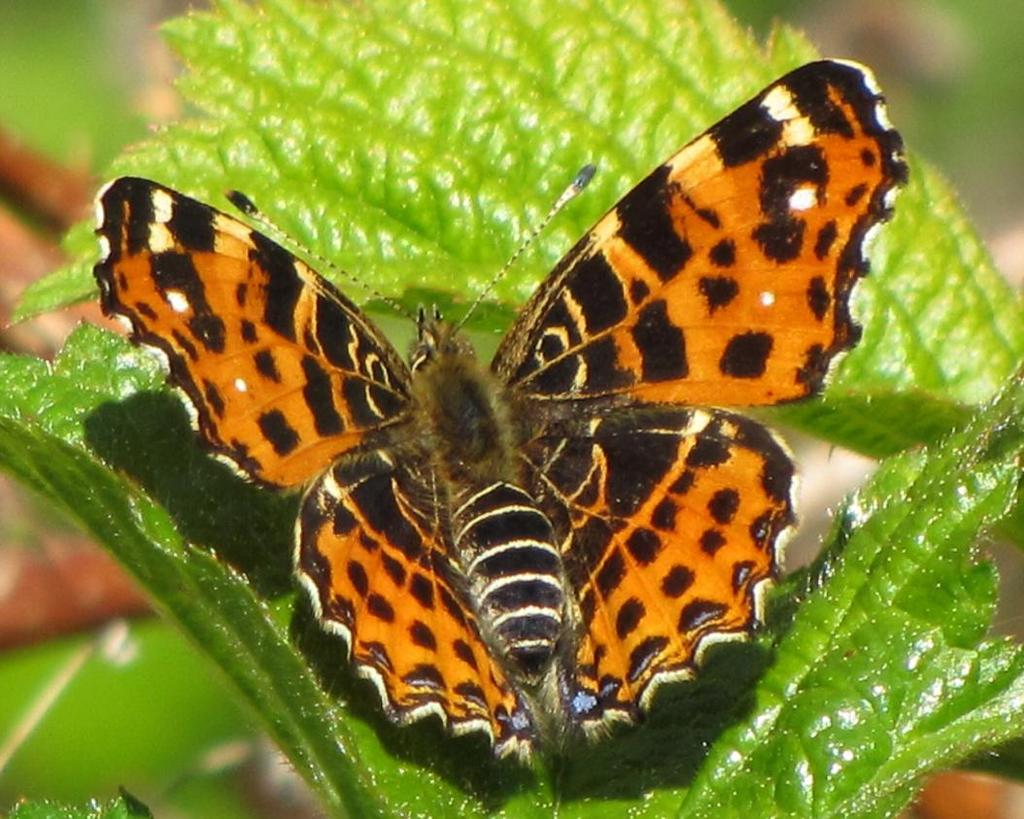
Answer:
(148, 438)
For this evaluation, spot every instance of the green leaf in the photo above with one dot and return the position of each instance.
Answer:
(415, 146)
(886, 672)
(125, 806)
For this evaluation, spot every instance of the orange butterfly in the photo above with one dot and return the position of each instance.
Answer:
(547, 540)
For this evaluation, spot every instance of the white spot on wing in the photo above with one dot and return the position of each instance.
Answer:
(803, 199)
(798, 132)
(163, 206)
(767, 298)
(160, 238)
(240, 385)
(778, 104)
(177, 300)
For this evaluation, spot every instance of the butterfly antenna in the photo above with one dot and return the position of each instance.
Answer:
(579, 182)
(248, 207)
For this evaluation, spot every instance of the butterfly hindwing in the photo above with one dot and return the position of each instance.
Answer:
(376, 561)
(674, 518)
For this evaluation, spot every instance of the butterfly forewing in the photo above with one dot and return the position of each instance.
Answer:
(284, 372)
(724, 277)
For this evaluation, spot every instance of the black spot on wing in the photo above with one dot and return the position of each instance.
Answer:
(827, 235)
(661, 344)
(677, 581)
(283, 285)
(628, 618)
(746, 355)
(333, 333)
(664, 515)
(213, 398)
(645, 214)
(421, 635)
(718, 291)
(723, 254)
(596, 288)
(357, 576)
(422, 591)
(855, 194)
(723, 505)
(266, 366)
(319, 396)
(643, 545)
(380, 608)
(818, 298)
(780, 240)
(464, 652)
(191, 224)
(276, 429)
(611, 573)
(394, 569)
(747, 134)
(711, 540)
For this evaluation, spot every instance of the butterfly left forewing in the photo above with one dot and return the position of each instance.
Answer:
(284, 373)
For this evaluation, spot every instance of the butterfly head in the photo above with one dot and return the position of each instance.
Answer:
(436, 338)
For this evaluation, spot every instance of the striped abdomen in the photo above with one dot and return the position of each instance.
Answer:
(506, 547)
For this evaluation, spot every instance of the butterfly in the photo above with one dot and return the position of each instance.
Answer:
(548, 539)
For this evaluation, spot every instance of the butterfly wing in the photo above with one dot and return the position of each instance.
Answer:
(285, 373)
(724, 277)
(673, 520)
(372, 554)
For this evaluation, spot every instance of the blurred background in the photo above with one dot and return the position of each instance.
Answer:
(122, 698)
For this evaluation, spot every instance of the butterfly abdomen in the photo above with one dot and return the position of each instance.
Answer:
(514, 570)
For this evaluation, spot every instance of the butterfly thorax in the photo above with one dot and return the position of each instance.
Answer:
(464, 413)
(503, 541)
